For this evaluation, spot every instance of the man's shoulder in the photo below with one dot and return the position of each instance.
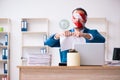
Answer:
(88, 29)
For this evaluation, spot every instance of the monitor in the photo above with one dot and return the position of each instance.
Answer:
(116, 54)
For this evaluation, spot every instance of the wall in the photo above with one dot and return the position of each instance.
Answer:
(56, 10)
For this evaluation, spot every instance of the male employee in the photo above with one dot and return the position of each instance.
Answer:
(79, 18)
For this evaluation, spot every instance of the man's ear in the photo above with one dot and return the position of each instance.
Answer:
(86, 19)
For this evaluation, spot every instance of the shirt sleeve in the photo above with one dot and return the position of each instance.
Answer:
(91, 36)
(55, 38)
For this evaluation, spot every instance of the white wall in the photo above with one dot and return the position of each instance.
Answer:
(56, 10)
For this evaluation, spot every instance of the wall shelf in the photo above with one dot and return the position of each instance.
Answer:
(5, 49)
(33, 39)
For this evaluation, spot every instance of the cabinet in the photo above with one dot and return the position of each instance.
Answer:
(4, 49)
(101, 24)
(34, 32)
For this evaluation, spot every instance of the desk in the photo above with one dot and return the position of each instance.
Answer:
(69, 73)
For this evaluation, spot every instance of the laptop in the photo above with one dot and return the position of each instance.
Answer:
(91, 53)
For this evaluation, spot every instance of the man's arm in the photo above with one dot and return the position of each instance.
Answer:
(97, 37)
(52, 42)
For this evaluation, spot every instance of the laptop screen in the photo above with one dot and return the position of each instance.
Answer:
(91, 53)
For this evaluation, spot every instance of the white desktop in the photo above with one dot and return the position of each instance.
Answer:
(91, 53)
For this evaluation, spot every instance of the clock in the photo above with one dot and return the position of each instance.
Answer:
(64, 24)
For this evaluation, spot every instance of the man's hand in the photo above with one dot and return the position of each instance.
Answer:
(77, 33)
(65, 33)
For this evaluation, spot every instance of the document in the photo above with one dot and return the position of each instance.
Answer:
(68, 42)
(113, 63)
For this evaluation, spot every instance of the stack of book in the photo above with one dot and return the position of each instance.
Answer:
(39, 59)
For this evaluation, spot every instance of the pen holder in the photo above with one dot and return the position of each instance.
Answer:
(73, 58)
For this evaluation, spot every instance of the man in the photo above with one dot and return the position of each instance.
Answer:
(79, 18)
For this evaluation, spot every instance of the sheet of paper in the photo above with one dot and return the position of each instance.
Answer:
(68, 42)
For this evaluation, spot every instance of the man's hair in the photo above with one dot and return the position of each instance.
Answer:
(81, 10)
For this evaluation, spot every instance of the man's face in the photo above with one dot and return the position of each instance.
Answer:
(79, 18)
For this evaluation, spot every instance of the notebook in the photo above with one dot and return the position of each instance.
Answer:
(91, 53)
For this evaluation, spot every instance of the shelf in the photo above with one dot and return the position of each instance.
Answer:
(100, 24)
(97, 23)
(34, 46)
(97, 19)
(5, 25)
(4, 32)
(3, 36)
(3, 61)
(3, 74)
(36, 24)
(33, 37)
(35, 19)
(28, 32)
(3, 47)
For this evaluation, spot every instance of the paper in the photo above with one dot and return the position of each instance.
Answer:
(113, 63)
(38, 59)
(68, 42)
